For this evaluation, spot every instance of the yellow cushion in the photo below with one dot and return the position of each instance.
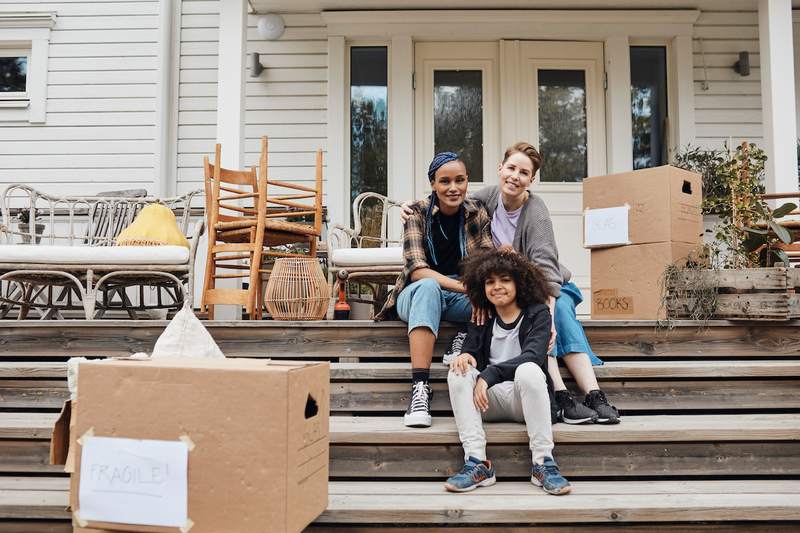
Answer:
(155, 225)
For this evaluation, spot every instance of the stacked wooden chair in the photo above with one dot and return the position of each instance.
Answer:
(251, 221)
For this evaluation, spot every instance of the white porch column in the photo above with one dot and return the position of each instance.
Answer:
(777, 93)
(683, 86)
(401, 126)
(619, 136)
(231, 104)
(338, 201)
(230, 81)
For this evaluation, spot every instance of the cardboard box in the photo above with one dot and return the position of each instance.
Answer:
(256, 431)
(626, 281)
(664, 203)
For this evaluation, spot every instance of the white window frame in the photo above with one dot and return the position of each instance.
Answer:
(348, 132)
(673, 140)
(486, 59)
(27, 34)
(405, 28)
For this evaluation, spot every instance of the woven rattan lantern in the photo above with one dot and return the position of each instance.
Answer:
(297, 290)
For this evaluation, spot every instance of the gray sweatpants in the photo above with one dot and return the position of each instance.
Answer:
(523, 400)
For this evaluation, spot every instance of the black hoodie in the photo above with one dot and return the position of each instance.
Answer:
(534, 336)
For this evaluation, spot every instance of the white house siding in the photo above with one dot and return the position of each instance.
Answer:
(287, 102)
(197, 89)
(101, 101)
(731, 107)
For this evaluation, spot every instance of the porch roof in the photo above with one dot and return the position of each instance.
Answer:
(295, 6)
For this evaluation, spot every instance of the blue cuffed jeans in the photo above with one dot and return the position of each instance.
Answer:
(425, 303)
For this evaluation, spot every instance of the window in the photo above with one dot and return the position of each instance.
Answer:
(458, 117)
(368, 120)
(649, 106)
(14, 74)
(563, 139)
(24, 52)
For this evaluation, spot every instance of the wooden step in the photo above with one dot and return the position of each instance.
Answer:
(589, 502)
(506, 502)
(366, 339)
(402, 371)
(640, 446)
(650, 387)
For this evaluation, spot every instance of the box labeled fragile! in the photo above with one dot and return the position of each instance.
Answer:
(177, 445)
(663, 204)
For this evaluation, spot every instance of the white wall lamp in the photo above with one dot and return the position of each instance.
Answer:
(271, 26)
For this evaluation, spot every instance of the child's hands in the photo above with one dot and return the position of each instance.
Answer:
(462, 363)
(479, 396)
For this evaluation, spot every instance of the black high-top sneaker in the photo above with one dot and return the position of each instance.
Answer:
(418, 414)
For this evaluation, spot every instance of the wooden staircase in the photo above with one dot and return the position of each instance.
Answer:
(710, 436)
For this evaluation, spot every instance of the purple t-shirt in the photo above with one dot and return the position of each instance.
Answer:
(504, 224)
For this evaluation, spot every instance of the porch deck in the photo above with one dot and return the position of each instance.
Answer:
(710, 436)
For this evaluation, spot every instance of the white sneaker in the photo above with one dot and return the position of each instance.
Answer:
(418, 414)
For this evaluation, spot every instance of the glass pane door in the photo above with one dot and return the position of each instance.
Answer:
(458, 117)
(457, 109)
(562, 125)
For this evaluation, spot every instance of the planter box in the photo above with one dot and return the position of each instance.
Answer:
(744, 294)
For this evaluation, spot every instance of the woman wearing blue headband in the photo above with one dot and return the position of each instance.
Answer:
(440, 231)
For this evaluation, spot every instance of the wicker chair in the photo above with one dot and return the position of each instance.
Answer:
(365, 253)
(71, 245)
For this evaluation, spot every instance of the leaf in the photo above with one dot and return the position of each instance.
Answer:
(756, 231)
(784, 210)
(782, 233)
(782, 256)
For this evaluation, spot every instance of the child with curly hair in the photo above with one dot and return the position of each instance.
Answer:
(501, 374)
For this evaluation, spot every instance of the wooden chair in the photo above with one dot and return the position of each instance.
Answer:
(235, 233)
(285, 203)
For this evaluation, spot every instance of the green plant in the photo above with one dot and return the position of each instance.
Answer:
(718, 170)
(765, 241)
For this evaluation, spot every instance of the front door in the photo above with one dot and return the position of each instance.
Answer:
(478, 98)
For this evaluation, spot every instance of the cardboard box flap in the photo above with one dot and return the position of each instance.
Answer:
(232, 364)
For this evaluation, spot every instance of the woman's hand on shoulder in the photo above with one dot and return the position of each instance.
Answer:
(461, 363)
(405, 211)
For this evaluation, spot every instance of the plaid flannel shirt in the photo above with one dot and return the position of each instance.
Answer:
(478, 236)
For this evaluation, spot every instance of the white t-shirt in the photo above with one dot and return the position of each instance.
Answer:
(505, 340)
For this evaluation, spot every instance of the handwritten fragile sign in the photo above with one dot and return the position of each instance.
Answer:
(605, 227)
(133, 481)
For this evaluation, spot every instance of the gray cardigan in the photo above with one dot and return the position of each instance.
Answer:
(534, 236)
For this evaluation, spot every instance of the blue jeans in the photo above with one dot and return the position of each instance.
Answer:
(571, 337)
(425, 303)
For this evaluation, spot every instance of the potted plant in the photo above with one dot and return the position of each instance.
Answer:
(23, 224)
(742, 273)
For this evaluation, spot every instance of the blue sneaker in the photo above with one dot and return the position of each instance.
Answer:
(475, 473)
(549, 478)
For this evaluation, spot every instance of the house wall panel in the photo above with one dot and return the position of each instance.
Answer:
(730, 105)
(99, 132)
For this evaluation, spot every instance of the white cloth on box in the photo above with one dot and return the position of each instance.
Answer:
(185, 336)
(72, 376)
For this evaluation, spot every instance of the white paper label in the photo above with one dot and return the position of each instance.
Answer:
(605, 227)
(133, 481)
